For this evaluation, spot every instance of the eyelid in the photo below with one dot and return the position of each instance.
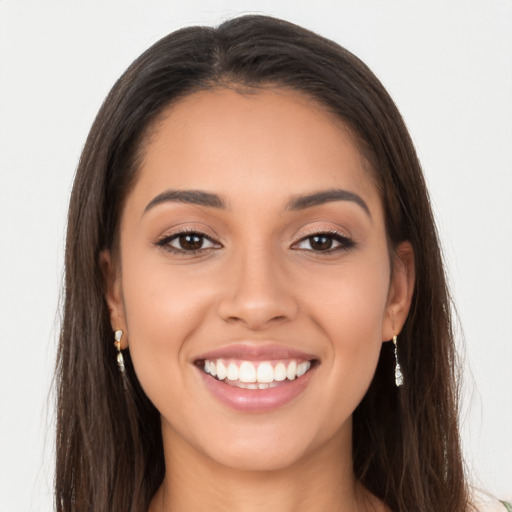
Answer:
(322, 231)
(164, 241)
(344, 241)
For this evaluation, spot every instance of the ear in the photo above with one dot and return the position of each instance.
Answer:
(400, 290)
(111, 273)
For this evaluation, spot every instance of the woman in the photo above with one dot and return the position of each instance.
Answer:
(248, 226)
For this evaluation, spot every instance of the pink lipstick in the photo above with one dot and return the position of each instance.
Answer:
(256, 378)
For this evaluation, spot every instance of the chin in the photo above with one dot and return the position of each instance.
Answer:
(257, 458)
(271, 445)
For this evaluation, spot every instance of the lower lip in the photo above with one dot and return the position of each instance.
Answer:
(257, 400)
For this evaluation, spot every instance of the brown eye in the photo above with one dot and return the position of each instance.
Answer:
(320, 242)
(190, 241)
(325, 242)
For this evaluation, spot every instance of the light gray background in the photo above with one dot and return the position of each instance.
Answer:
(448, 65)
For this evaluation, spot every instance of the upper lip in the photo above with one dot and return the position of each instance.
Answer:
(256, 352)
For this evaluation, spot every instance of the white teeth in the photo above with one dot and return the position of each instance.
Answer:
(302, 368)
(222, 371)
(280, 372)
(232, 373)
(247, 385)
(247, 372)
(291, 371)
(265, 373)
(251, 375)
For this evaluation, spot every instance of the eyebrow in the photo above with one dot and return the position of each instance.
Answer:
(299, 202)
(187, 196)
(326, 196)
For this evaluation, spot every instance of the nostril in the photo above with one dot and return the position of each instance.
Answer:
(254, 321)
(255, 295)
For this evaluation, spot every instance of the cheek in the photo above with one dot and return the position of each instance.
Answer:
(352, 295)
(350, 308)
(164, 306)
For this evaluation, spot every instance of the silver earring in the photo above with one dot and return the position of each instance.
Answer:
(120, 361)
(399, 378)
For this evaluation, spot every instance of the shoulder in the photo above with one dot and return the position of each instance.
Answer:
(495, 506)
(487, 503)
(498, 506)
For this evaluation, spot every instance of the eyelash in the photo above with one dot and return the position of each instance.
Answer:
(165, 242)
(344, 242)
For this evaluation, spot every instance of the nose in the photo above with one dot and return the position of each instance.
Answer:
(257, 293)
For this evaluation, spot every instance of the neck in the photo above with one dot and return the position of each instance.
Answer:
(317, 482)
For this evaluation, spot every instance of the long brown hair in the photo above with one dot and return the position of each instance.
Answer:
(109, 447)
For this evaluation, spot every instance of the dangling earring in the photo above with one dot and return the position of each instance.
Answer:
(120, 361)
(399, 378)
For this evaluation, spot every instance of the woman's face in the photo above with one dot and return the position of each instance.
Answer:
(253, 249)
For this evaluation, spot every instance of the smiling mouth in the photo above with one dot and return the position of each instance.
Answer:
(255, 375)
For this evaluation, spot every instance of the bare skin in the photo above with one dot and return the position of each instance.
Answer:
(316, 483)
(264, 262)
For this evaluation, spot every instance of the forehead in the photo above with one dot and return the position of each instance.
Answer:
(265, 143)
